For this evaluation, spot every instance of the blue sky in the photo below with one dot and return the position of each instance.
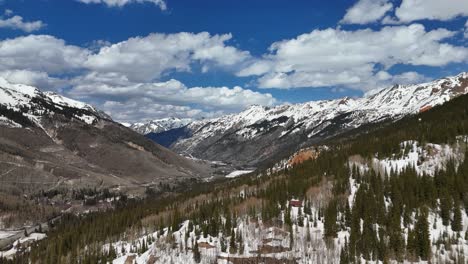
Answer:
(119, 54)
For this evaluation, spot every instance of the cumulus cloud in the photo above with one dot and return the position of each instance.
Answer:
(33, 78)
(366, 11)
(138, 59)
(131, 111)
(411, 10)
(17, 22)
(163, 98)
(41, 53)
(120, 3)
(147, 58)
(125, 78)
(123, 73)
(351, 58)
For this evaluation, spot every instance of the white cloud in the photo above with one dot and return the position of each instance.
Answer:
(119, 3)
(139, 59)
(16, 22)
(33, 78)
(411, 10)
(41, 53)
(409, 78)
(384, 79)
(390, 20)
(8, 12)
(350, 58)
(173, 92)
(147, 58)
(366, 11)
(125, 72)
(163, 98)
(97, 45)
(131, 111)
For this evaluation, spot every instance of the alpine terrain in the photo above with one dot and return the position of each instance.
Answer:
(260, 135)
(50, 142)
(234, 132)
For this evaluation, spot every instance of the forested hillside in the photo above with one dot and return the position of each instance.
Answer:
(397, 192)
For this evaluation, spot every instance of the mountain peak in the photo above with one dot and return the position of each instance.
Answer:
(159, 125)
(271, 130)
(35, 103)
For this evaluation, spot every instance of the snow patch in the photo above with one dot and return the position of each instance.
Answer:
(238, 173)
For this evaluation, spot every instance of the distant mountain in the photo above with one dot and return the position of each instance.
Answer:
(168, 137)
(260, 135)
(50, 141)
(160, 125)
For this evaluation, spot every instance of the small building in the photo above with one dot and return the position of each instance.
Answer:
(425, 108)
(295, 203)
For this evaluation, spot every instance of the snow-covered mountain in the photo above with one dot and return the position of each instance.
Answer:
(260, 133)
(34, 104)
(65, 143)
(159, 125)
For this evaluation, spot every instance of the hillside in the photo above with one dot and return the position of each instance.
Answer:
(51, 142)
(381, 201)
(260, 135)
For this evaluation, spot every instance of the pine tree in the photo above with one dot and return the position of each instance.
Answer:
(411, 245)
(223, 245)
(232, 243)
(330, 219)
(112, 254)
(291, 237)
(422, 236)
(445, 206)
(228, 224)
(457, 224)
(344, 257)
(196, 253)
(347, 215)
(287, 216)
(241, 243)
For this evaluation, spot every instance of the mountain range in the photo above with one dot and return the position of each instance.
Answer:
(159, 125)
(261, 135)
(49, 141)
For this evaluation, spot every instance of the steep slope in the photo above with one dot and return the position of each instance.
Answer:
(159, 125)
(47, 141)
(259, 134)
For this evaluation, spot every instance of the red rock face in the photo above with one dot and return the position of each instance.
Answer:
(303, 156)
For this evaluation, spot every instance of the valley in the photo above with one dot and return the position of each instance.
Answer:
(399, 183)
(259, 136)
(233, 132)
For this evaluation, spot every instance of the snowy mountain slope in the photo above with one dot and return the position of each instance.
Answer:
(257, 134)
(35, 104)
(61, 142)
(160, 125)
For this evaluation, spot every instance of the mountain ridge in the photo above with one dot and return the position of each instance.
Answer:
(159, 125)
(232, 138)
(60, 142)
